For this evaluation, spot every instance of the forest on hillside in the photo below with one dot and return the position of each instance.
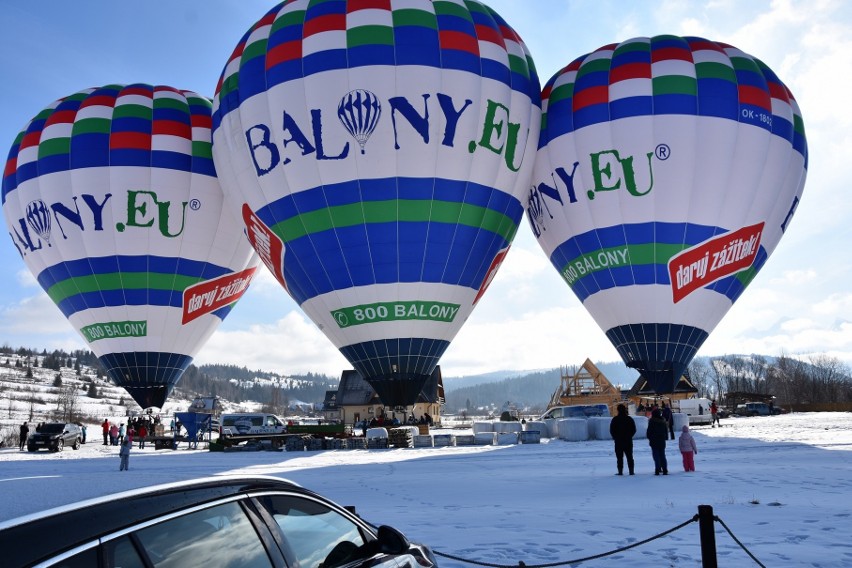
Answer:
(812, 380)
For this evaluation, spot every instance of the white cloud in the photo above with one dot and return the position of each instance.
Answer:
(290, 345)
(25, 279)
(838, 305)
(33, 316)
(795, 277)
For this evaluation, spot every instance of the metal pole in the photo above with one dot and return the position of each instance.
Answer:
(708, 536)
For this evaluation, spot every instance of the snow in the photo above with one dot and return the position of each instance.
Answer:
(781, 484)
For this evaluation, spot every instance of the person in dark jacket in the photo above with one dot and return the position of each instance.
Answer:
(622, 428)
(25, 431)
(667, 416)
(658, 433)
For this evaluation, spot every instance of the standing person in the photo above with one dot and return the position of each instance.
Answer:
(83, 430)
(124, 454)
(622, 428)
(714, 411)
(667, 416)
(658, 433)
(142, 432)
(121, 432)
(113, 435)
(25, 431)
(105, 428)
(687, 447)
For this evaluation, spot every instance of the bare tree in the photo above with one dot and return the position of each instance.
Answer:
(778, 379)
(755, 368)
(66, 403)
(829, 379)
(701, 376)
(717, 374)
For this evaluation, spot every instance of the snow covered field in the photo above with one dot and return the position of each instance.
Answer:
(782, 484)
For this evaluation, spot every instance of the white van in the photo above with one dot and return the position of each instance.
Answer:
(698, 410)
(250, 424)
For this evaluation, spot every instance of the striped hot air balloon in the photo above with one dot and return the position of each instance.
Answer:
(111, 197)
(359, 112)
(379, 152)
(668, 170)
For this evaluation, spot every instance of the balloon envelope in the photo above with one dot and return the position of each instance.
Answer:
(111, 197)
(379, 153)
(668, 169)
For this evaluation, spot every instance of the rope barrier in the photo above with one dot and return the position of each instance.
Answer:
(731, 534)
(522, 564)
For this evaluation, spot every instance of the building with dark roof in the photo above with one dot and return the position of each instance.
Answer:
(355, 400)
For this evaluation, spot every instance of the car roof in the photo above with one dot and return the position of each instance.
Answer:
(72, 524)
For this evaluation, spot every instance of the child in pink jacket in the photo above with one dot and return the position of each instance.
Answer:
(687, 447)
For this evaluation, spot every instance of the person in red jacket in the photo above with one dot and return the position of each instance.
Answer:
(142, 432)
(105, 427)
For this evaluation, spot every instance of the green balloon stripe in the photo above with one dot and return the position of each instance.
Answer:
(412, 17)
(391, 211)
(615, 257)
(119, 281)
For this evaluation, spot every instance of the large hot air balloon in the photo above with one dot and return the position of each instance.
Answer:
(111, 197)
(379, 153)
(668, 169)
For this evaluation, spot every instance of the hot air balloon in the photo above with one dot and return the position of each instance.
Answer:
(379, 153)
(359, 112)
(111, 197)
(668, 169)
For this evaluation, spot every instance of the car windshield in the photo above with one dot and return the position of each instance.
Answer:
(586, 411)
(52, 428)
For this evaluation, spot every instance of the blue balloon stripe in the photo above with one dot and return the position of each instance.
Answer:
(386, 253)
(89, 150)
(384, 189)
(417, 45)
(135, 297)
(113, 264)
(90, 153)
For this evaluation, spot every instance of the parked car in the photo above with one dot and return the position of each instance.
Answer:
(245, 521)
(576, 411)
(54, 436)
(753, 409)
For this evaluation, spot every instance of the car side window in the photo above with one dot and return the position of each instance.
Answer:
(218, 536)
(120, 553)
(316, 535)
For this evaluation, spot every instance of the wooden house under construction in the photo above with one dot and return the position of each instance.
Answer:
(586, 385)
(589, 385)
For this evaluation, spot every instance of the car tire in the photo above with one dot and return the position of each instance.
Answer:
(60, 445)
(32, 449)
(76, 445)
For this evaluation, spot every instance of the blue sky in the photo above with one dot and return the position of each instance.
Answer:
(799, 304)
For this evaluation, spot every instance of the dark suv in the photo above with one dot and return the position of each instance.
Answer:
(54, 436)
(753, 409)
(235, 521)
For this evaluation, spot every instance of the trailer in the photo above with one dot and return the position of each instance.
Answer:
(321, 430)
